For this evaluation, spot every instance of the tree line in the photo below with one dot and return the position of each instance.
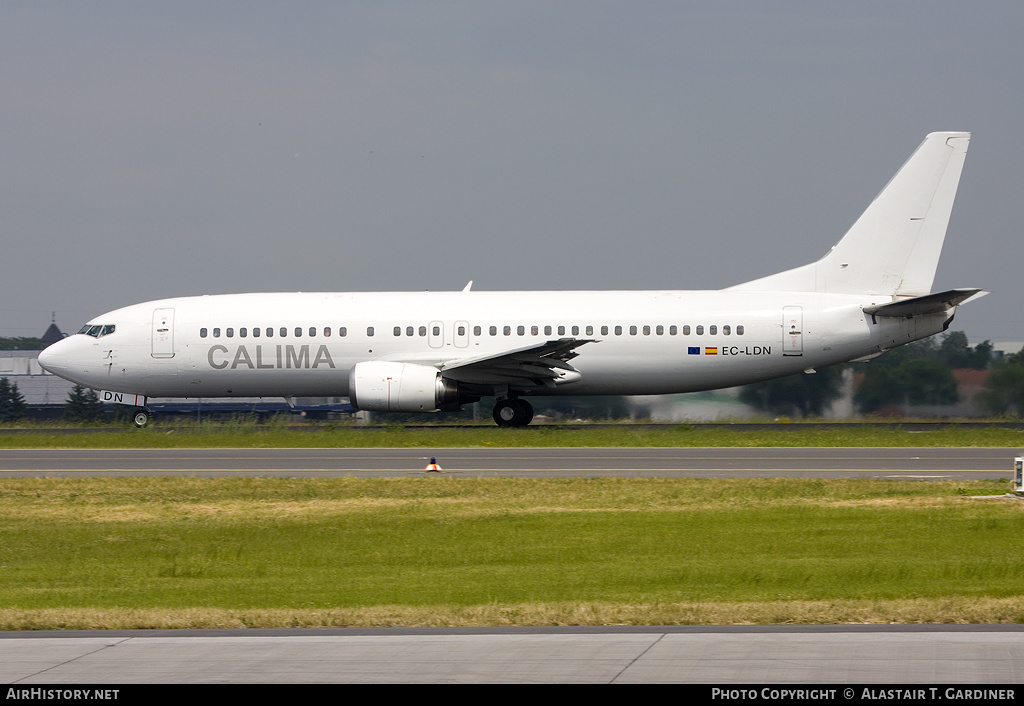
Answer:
(20, 343)
(82, 405)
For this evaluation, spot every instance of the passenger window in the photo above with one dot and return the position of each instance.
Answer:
(561, 330)
(604, 330)
(255, 332)
(312, 331)
(343, 331)
(298, 332)
(270, 332)
(534, 331)
(423, 330)
(618, 330)
(398, 330)
(409, 331)
(632, 330)
(647, 330)
(461, 331)
(660, 330)
(493, 330)
(369, 331)
(216, 333)
(521, 330)
(507, 330)
(686, 330)
(712, 330)
(202, 333)
(436, 331)
(547, 330)
(476, 330)
(575, 330)
(739, 330)
(700, 330)
(243, 332)
(230, 333)
(726, 330)
(284, 332)
(672, 330)
(327, 331)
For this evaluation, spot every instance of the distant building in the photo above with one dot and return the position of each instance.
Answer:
(1008, 347)
(37, 386)
(52, 335)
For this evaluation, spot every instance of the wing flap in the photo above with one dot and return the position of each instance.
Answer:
(542, 365)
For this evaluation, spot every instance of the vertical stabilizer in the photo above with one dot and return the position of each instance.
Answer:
(893, 249)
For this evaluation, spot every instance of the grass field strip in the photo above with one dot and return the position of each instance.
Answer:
(463, 550)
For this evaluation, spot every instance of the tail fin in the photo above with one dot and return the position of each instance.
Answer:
(893, 248)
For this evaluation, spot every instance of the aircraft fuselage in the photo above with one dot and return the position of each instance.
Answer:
(306, 344)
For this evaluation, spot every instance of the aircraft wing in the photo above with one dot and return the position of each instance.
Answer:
(543, 365)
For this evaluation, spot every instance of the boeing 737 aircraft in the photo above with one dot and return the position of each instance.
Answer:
(428, 351)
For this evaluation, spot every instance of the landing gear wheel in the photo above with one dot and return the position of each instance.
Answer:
(504, 412)
(512, 413)
(527, 412)
(141, 418)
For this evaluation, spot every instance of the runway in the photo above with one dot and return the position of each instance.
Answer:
(905, 463)
(845, 656)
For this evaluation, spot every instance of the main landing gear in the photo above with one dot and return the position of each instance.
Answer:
(511, 412)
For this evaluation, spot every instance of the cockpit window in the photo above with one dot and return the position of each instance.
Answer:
(96, 330)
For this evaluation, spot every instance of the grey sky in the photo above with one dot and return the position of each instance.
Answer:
(161, 149)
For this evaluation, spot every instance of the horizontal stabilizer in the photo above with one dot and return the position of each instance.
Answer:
(928, 304)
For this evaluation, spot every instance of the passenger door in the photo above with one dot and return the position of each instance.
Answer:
(163, 333)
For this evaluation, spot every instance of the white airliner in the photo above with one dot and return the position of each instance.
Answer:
(428, 351)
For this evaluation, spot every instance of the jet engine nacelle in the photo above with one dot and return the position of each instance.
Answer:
(380, 386)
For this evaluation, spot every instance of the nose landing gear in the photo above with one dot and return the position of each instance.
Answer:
(141, 417)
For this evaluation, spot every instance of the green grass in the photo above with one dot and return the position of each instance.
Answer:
(249, 435)
(194, 552)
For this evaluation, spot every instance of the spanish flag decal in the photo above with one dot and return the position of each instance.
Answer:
(711, 351)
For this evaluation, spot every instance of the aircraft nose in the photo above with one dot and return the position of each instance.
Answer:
(53, 359)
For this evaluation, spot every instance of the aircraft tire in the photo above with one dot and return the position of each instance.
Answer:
(512, 413)
(141, 418)
(527, 411)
